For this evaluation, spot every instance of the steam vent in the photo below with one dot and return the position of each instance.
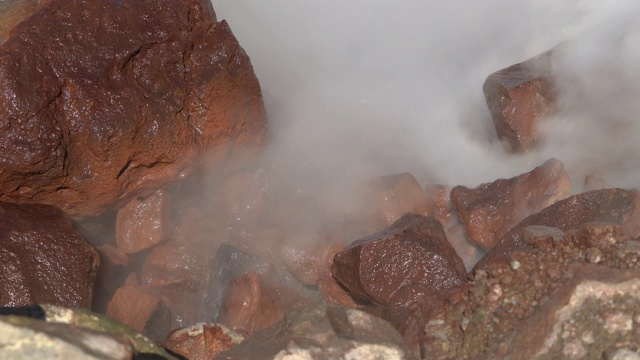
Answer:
(149, 211)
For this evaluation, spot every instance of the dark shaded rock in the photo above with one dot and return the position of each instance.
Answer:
(395, 195)
(148, 87)
(490, 210)
(30, 311)
(610, 205)
(202, 341)
(44, 259)
(413, 251)
(519, 97)
(143, 223)
(254, 302)
(323, 332)
(332, 292)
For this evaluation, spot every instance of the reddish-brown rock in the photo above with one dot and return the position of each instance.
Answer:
(304, 263)
(202, 341)
(490, 210)
(395, 195)
(518, 97)
(140, 310)
(595, 182)
(43, 258)
(438, 196)
(143, 223)
(610, 205)
(332, 292)
(105, 100)
(253, 303)
(413, 251)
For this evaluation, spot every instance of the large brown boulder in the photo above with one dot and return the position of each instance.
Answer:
(519, 97)
(104, 100)
(490, 210)
(610, 205)
(43, 259)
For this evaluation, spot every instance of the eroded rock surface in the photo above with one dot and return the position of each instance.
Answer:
(202, 341)
(610, 205)
(519, 97)
(44, 259)
(323, 332)
(105, 100)
(490, 210)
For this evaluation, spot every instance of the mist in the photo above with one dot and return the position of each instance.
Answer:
(364, 88)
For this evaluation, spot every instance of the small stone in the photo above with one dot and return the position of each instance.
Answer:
(593, 255)
(513, 264)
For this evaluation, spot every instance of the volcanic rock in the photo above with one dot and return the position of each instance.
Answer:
(106, 100)
(143, 223)
(202, 341)
(492, 209)
(254, 302)
(519, 97)
(323, 332)
(395, 195)
(610, 205)
(413, 251)
(44, 259)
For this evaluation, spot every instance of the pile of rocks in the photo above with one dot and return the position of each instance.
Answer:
(112, 112)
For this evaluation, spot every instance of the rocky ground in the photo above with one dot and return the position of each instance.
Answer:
(112, 112)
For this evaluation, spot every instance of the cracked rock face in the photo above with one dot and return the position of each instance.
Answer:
(102, 101)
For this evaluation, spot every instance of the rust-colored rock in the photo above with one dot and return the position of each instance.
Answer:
(490, 210)
(140, 310)
(413, 251)
(395, 195)
(143, 223)
(610, 205)
(253, 302)
(105, 100)
(332, 292)
(44, 259)
(519, 97)
(304, 263)
(13, 12)
(202, 341)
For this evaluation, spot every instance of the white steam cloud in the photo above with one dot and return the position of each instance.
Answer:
(362, 88)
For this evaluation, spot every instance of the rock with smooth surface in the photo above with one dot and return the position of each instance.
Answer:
(490, 210)
(44, 259)
(519, 97)
(322, 332)
(102, 101)
(143, 223)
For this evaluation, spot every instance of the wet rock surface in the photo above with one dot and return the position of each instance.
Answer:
(202, 341)
(323, 332)
(608, 205)
(573, 296)
(490, 210)
(519, 97)
(143, 223)
(148, 87)
(44, 259)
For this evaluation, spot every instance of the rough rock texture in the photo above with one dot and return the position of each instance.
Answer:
(105, 100)
(12, 12)
(323, 332)
(143, 223)
(412, 251)
(573, 295)
(25, 338)
(519, 97)
(202, 341)
(490, 210)
(393, 196)
(609, 205)
(254, 302)
(44, 259)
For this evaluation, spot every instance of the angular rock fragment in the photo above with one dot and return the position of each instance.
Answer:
(253, 303)
(393, 196)
(202, 341)
(323, 332)
(140, 310)
(492, 209)
(143, 223)
(519, 97)
(413, 251)
(44, 259)
(438, 196)
(125, 98)
(332, 292)
(609, 205)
